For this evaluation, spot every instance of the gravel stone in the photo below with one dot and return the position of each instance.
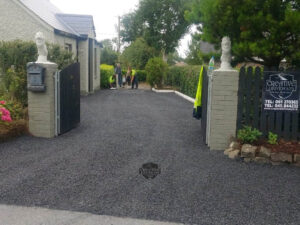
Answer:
(95, 168)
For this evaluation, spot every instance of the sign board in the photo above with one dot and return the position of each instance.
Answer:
(281, 91)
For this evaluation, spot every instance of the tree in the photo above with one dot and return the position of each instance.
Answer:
(160, 23)
(137, 54)
(259, 29)
(108, 54)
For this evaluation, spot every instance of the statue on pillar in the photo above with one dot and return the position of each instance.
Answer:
(41, 46)
(226, 54)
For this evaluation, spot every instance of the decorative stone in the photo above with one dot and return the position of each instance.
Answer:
(248, 151)
(234, 145)
(264, 152)
(247, 160)
(261, 160)
(226, 152)
(281, 157)
(277, 163)
(234, 154)
(297, 158)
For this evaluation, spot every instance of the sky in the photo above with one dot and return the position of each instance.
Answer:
(105, 13)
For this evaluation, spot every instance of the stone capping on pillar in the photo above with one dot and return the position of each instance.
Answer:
(41, 105)
(224, 102)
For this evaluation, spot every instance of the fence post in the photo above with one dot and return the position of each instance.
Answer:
(224, 102)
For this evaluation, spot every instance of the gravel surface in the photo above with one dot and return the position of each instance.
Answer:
(95, 168)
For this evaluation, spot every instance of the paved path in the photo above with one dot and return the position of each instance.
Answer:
(94, 168)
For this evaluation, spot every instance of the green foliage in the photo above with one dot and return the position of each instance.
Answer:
(272, 138)
(160, 23)
(141, 75)
(14, 56)
(248, 135)
(15, 108)
(183, 78)
(156, 69)
(15, 86)
(108, 55)
(137, 54)
(265, 29)
(106, 71)
(60, 56)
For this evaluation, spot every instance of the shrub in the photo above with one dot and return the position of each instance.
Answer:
(12, 129)
(106, 71)
(14, 56)
(156, 69)
(183, 78)
(272, 138)
(248, 135)
(142, 75)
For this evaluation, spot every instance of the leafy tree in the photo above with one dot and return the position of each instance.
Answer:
(131, 27)
(265, 29)
(137, 54)
(160, 23)
(108, 55)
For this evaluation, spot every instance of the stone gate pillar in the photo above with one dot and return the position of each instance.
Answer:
(224, 101)
(41, 92)
(41, 103)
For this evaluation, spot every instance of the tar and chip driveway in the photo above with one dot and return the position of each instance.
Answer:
(95, 168)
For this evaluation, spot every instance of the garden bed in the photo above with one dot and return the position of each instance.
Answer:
(13, 129)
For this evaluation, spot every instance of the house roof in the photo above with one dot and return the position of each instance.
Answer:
(82, 24)
(77, 25)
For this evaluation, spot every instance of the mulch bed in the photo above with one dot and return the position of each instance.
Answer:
(291, 147)
(12, 129)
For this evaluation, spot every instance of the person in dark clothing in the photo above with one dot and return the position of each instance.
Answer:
(118, 72)
(128, 76)
(134, 80)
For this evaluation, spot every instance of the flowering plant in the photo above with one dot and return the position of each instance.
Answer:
(4, 113)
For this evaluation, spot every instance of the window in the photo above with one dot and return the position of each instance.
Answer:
(68, 47)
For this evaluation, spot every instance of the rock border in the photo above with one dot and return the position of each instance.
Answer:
(251, 153)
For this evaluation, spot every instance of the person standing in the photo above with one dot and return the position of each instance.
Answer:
(134, 80)
(128, 76)
(118, 72)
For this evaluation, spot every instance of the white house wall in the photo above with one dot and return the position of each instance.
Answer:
(97, 72)
(84, 66)
(63, 40)
(17, 22)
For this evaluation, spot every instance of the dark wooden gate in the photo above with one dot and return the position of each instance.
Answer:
(69, 98)
(283, 123)
(204, 104)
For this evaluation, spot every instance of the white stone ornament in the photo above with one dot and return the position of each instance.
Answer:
(41, 46)
(226, 54)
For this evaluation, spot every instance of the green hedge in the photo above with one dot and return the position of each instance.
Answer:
(183, 78)
(105, 72)
(108, 70)
(14, 56)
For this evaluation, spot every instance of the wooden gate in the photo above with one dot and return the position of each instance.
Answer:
(285, 124)
(68, 98)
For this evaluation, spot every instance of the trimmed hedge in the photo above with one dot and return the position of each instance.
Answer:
(105, 72)
(183, 78)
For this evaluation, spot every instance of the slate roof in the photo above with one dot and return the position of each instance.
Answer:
(82, 24)
(73, 24)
